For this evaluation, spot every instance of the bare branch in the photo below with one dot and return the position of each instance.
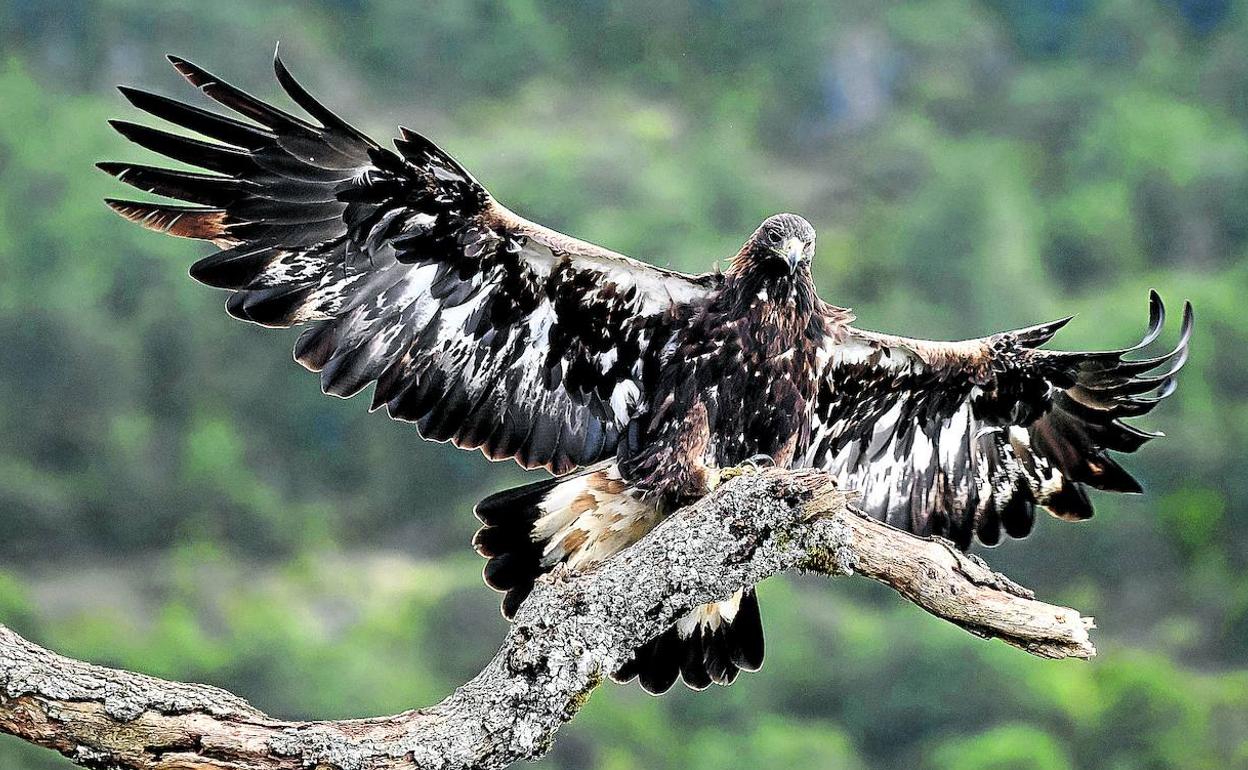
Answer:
(569, 634)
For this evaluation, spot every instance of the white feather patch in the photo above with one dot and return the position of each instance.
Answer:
(710, 617)
(590, 518)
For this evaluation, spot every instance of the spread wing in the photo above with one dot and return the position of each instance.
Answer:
(966, 439)
(483, 328)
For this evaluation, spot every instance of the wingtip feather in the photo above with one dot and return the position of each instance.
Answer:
(205, 224)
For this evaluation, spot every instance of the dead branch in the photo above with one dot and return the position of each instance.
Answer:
(569, 634)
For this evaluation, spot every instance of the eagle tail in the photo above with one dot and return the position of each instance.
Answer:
(506, 540)
(582, 519)
(579, 520)
(713, 643)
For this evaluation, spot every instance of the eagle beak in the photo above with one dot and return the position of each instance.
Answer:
(794, 251)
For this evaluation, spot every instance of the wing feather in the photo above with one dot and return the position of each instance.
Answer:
(483, 328)
(965, 439)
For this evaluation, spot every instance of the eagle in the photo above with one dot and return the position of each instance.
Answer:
(636, 387)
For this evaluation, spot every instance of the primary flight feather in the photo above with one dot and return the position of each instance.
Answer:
(635, 386)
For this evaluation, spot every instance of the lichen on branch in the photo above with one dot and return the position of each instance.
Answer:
(570, 632)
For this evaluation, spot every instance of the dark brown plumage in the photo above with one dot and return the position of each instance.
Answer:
(636, 386)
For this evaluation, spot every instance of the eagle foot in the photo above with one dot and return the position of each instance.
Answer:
(759, 461)
(724, 475)
(750, 466)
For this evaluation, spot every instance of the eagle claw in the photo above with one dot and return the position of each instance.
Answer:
(760, 461)
(750, 466)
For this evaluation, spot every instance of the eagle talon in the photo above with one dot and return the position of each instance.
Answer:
(753, 464)
(724, 475)
(760, 461)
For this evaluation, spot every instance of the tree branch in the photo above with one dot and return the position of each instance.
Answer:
(568, 635)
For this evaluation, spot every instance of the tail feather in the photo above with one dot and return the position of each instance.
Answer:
(583, 519)
(579, 520)
(712, 644)
(506, 540)
(747, 646)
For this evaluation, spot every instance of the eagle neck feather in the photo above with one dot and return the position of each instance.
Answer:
(787, 307)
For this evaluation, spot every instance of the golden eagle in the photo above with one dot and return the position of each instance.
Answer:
(633, 385)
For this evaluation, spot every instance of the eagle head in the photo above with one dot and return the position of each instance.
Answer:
(781, 247)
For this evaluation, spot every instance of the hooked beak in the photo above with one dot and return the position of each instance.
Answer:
(793, 252)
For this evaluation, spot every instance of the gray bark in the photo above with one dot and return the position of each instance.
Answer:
(569, 634)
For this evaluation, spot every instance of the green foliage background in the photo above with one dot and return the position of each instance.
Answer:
(177, 497)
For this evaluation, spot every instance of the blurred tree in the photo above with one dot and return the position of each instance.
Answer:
(969, 164)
